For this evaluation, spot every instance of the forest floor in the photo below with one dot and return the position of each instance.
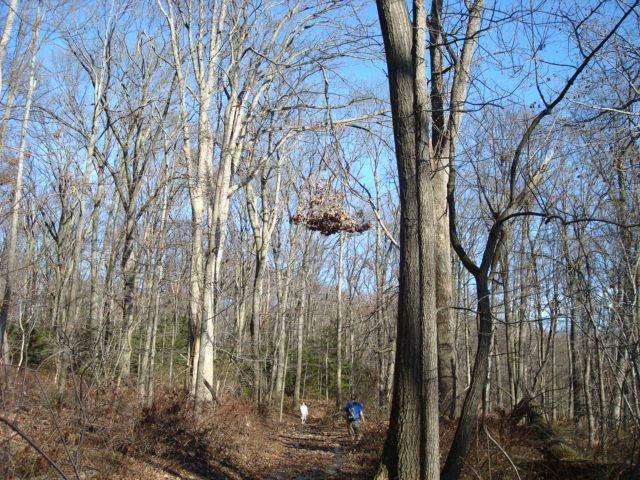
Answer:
(265, 448)
(104, 433)
(289, 451)
(318, 450)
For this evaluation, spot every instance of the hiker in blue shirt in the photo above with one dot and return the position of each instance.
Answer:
(355, 418)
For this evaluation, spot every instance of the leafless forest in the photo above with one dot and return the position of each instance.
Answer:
(243, 204)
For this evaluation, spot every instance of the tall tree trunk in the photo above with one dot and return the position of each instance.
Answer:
(300, 314)
(287, 312)
(129, 273)
(411, 450)
(12, 11)
(620, 374)
(509, 326)
(204, 268)
(157, 277)
(339, 320)
(96, 304)
(443, 144)
(464, 432)
(255, 326)
(577, 385)
(12, 251)
(588, 395)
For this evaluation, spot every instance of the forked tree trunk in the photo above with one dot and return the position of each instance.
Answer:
(197, 167)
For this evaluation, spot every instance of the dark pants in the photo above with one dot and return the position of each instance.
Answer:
(355, 429)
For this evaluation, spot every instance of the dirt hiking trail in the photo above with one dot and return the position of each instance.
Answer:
(321, 449)
(262, 448)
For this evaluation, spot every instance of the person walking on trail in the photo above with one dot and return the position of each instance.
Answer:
(304, 411)
(355, 418)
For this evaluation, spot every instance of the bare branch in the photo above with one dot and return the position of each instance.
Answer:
(35, 446)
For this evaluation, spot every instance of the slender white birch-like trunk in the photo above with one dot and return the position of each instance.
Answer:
(9, 286)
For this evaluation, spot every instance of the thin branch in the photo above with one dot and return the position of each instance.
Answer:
(566, 222)
(34, 445)
(486, 430)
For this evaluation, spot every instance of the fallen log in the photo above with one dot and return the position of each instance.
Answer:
(555, 447)
(567, 461)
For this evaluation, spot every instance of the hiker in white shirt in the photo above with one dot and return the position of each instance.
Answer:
(304, 411)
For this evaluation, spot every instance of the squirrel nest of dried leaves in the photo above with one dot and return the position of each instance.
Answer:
(324, 213)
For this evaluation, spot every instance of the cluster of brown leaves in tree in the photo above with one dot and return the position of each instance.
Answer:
(8, 170)
(324, 213)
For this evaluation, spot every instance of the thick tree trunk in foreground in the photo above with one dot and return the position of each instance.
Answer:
(412, 447)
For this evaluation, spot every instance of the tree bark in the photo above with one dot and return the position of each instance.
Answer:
(411, 450)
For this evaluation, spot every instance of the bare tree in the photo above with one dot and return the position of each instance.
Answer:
(516, 201)
(21, 153)
(256, 50)
(263, 216)
(12, 11)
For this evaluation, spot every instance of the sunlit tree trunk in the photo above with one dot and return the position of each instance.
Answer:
(12, 250)
(202, 59)
(16, 66)
(12, 11)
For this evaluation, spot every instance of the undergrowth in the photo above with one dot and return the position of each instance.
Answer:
(92, 431)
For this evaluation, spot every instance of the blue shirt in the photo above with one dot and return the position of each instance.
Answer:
(354, 409)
